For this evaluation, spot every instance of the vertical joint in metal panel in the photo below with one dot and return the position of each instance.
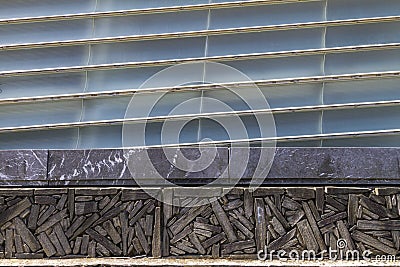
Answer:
(322, 102)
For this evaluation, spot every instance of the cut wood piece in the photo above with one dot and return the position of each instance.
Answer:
(111, 214)
(187, 218)
(77, 245)
(334, 203)
(320, 198)
(29, 255)
(85, 225)
(352, 207)
(213, 240)
(116, 251)
(137, 246)
(223, 221)
(301, 193)
(203, 232)
(92, 249)
(248, 203)
(331, 219)
(314, 227)
(346, 190)
(112, 232)
(280, 242)
(61, 203)
(290, 204)
(47, 246)
(26, 235)
(263, 192)
(277, 213)
(148, 229)
(9, 243)
(293, 220)
(84, 244)
(18, 243)
(52, 221)
(196, 242)
(215, 251)
(380, 210)
(243, 220)
(176, 251)
(388, 225)
(187, 230)
(45, 200)
(104, 202)
(33, 217)
(71, 203)
(63, 239)
(345, 234)
(87, 207)
(242, 228)
(156, 241)
(373, 242)
(111, 204)
(233, 205)
(45, 215)
(133, 195)
(236, 246)
(185, 248)
(123, 217)
(314, 210)
(385, 191)
(74, 226)
(141, 212)
(142, 238)
(13, 211)
(307, 235)
(95, 191)
(261, 223)
(208, 227)
(54, 240)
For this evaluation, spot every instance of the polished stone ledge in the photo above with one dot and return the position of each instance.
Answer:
(113, 167)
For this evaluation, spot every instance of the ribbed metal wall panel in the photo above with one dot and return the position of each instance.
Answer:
(330, 69)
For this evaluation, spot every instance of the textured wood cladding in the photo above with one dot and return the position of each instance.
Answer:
(109, 222)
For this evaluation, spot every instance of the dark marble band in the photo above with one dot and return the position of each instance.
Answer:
(109, 167)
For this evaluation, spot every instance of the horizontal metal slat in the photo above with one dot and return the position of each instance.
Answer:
(200, 115)
(271, 82)
(157, 10)
(306, 52)
(202, 33)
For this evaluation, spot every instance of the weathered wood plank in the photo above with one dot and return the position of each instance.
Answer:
(376, 208)
(314, 227)
(26, 235)
(223, 221)
(52, 221)
(56, 243)
(208, 227)
(142, 238)
(277, 213)
(112, 232)
(87, 207)
(378, 225)
(352, 207)
(239, 245)
(373, 242)
(85, 225)
(123, 217)
(13, 211)
(196, 242)
(156, 241)
(320, 198)
(71, 203)
(186, 231)
(346, 190)
(187, 218)
(213, 240)
(62, 238)
(345, 234)
(331, 219)
(307, 235)
(45, 200)
(248, 203)
(261, 223)
(116, 251)
(47, 246)
(242, 228)
(9, 243)
(263, 192)
(278, 243)
(301, 193)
